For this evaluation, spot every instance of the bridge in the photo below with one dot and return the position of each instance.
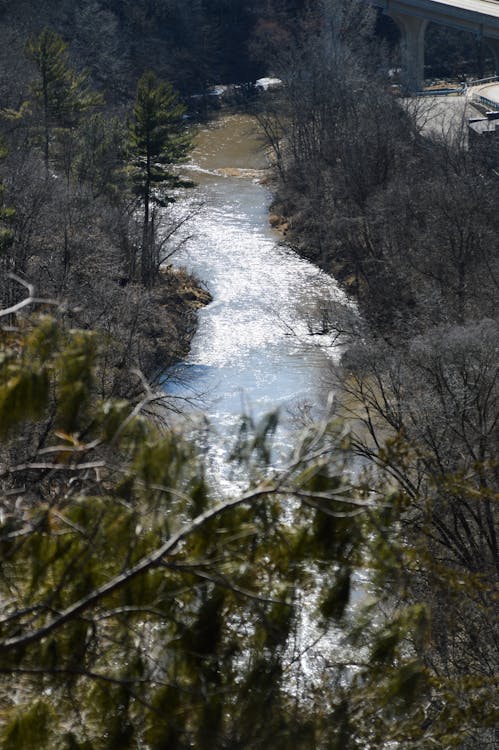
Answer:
(481, 17)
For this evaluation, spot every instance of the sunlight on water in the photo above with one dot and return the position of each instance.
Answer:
(255, 349)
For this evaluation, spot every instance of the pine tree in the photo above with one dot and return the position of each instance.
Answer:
(62, 94)
(140, 611)
(158, 142)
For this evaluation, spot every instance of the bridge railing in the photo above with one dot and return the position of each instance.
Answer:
(479, 81)
(442, 92)
(486, 102)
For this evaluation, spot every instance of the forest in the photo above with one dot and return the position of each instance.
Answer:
(140, 606)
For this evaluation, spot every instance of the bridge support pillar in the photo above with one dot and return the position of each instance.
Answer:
(412, 31)
(493, 45)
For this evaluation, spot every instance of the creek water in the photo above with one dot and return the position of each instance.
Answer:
(259, 346)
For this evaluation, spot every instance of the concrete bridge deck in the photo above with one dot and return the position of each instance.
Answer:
(481, 17)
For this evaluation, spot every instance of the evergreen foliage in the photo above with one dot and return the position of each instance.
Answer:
(158, 142)
(62, 95)
(79, 238)
(140, 610)
(158, 139)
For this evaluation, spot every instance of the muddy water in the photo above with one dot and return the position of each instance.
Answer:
(258, 346)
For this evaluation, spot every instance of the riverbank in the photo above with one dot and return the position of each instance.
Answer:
(289, 223)
(365, 203)
(406, 219)
(184, 294)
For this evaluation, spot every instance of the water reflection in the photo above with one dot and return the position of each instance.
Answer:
(260, 345)
(257, 347)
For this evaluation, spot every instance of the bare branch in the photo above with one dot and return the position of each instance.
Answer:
(147, 563)
(29, 300)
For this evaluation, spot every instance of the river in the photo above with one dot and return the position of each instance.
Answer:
(259, 345)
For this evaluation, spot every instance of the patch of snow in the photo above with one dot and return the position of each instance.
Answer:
(267, 83)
